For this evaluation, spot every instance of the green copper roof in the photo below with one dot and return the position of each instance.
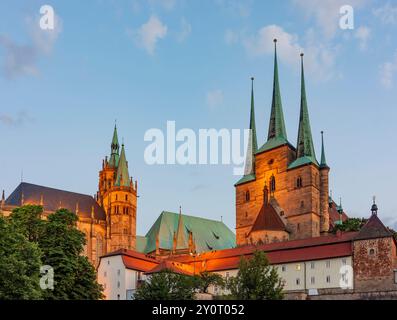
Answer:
(114, 155)
(305, 147)
(208, 234)
(302, 161)
(141, 243)
(245, 179)
(252, 120)
(277, 135)
(276, 125)
(181, 242)
(122, 176)
(273, 143)
(252, 140)
(323, 163)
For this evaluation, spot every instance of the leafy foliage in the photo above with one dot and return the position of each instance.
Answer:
(256, 280)
(167, 285)
(351, 224)
(207, 279)
(28, 242)
(19, 265)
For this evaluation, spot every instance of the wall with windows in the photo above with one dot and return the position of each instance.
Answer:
(300, 276)
(119, 282)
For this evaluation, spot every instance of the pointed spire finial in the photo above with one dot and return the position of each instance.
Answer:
(374, 208)
(305, 146)
(323, 162)
(276, 125)
(3, 197)
(252, 142)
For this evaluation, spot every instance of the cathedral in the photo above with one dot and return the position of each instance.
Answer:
(284, 193)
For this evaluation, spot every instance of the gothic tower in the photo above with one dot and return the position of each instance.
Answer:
(294, 204)
(117, 195)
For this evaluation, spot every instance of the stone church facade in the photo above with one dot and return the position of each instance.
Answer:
(284, 193)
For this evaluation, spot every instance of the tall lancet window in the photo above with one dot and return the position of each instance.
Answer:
(272, 184)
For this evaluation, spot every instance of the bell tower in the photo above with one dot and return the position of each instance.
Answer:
(117, 195)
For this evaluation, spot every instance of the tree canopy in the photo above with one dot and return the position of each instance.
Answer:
(28, 242)
(256, 280)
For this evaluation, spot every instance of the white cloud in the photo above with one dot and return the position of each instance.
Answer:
(319, 57)
(186, 29)
(326, 14)
(387, 72)
(215, 98)
(149, 34)
(387, 14)
(363, 34)
(21, 60)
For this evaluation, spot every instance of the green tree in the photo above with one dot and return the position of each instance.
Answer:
(256, 280)
(206, 279)
(27, 220)
(351, 224)
(62, 246)
(19, 264)
(28, 242)
(167, 285)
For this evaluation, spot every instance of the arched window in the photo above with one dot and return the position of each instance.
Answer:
(272, 184)
(99, 247)
(299, 183)
(247, 196)
(126, 197)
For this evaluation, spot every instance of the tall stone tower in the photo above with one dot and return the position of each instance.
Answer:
(294, 204)
(117, 195)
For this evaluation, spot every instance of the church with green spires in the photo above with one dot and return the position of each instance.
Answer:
(284, 193)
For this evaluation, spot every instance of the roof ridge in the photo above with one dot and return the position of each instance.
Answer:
(51, 188)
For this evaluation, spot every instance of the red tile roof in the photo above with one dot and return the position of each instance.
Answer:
(176, 267)
(285, 245)
(135, 260)
(343, 249)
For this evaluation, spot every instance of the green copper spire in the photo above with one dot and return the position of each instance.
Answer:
(277, 135)
(323, 163)
(122, 176)
(114, 155)
(252, 119)
(180, 233)
(252, 142)
(276, 125)
(305, 148)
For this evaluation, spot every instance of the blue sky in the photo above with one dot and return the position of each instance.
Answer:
(146, 62)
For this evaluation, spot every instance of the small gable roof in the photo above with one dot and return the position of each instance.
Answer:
(268, 219)
(374, 228)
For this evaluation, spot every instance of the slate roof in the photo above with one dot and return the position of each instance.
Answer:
(207, 234)
(53, 199)
(374, 228)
